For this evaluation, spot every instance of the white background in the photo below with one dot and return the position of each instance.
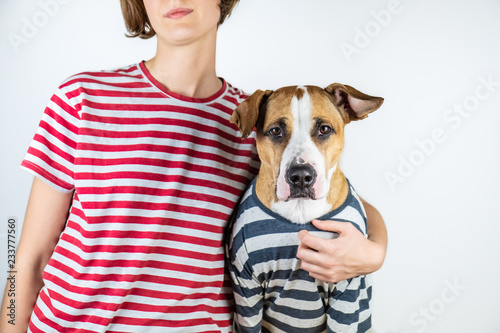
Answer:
(428, 59)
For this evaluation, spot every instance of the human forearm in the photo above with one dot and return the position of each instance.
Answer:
(29, 263)
(45, 218)
(377, 234)
(28, 282)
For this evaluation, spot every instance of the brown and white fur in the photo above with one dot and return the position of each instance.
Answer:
(300, 137)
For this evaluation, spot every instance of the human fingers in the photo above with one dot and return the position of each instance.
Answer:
(334, 226)
(315, 253)
(309, 242)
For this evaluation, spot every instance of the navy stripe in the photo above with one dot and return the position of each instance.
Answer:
(247, 292)
(298, 313)
(274, 253)
(244, 329)
(249, 311)
(365, 326)
(288, 274)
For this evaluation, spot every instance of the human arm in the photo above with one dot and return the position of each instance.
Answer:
(44, 221)
(349, 255)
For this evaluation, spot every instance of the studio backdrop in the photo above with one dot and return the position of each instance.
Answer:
(429, 159)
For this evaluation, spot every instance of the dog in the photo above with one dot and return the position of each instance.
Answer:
(300, 138)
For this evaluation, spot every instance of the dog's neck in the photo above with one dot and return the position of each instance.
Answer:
(339, 189)
(298, 210)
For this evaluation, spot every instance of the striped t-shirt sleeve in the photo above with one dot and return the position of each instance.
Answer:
(51, 154)
(247, 289)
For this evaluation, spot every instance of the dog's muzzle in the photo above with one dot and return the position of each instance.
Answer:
(301, 178)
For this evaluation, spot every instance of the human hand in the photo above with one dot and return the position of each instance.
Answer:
(333, 260)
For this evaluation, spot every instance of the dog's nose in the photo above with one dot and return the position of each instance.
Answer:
(301, 176)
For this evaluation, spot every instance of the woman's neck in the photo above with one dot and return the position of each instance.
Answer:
(188, 70)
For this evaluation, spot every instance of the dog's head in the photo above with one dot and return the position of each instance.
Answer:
(300, 135)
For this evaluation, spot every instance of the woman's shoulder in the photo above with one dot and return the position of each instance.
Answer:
(233, 92)
(120, 75)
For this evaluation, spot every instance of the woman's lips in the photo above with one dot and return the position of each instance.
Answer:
(178, 13)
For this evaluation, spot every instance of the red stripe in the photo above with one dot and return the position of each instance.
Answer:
(166, 122)
(162, 163)
(159, 178)
(152, 235)
(126, 70)
(60, 137)
(68, 110)
(158, 279)
(205, 114)
(232, 100)
(168, 150)
(224, 108)
(143, 250)
(52, 150)
(57, 166)
(119, 292)
(207, 227)
(82, 318)
(192, 139)
(173, 323)
(148, 221)
(117, 73)
(121, 264)
(58, 328)
(45, 174)
(102, 321)
(154, 207)
(129, 85)
(157, 193)
(236, 92)
(113, 93)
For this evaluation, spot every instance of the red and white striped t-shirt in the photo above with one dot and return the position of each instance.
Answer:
(155, 177)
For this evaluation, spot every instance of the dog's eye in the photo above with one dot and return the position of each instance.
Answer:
(276, 132)
(325, 130)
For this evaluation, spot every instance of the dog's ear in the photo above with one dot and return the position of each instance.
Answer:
(354, 103)
(245, 116)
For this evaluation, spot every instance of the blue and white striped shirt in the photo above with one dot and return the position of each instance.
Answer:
(272, 293)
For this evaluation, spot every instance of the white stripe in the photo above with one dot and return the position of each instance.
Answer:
(296, 322)
(270, 241)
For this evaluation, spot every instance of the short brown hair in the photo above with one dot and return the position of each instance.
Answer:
(138, 24)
